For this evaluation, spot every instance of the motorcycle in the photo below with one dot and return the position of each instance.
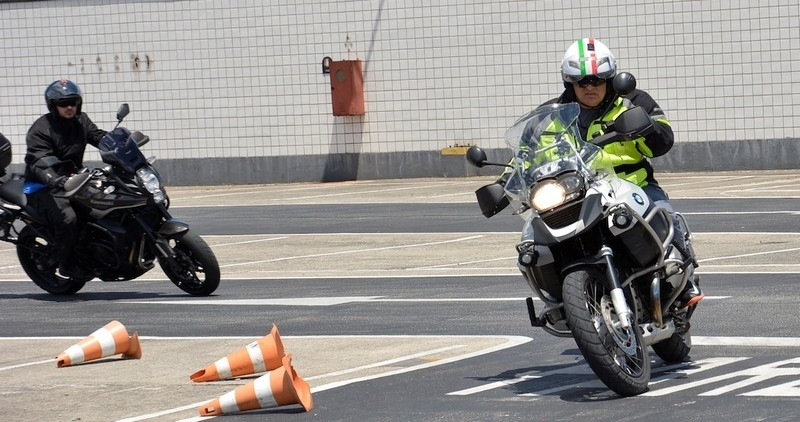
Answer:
(602, 257)
(124, 227)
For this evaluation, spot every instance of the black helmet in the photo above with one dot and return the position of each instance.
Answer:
(63, 91)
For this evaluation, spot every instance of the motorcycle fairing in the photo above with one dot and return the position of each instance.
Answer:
(173, 229)
(121, 150)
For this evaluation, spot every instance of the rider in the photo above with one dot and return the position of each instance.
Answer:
(55, 145)
(587, 70)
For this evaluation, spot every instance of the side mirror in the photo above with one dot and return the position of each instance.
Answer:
(123, 111)
(476, 156)
(624, 83)
(633, 123)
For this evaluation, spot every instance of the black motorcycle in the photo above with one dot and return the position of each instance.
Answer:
(125, 225)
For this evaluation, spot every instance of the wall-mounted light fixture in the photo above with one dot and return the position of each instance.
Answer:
(326, 65)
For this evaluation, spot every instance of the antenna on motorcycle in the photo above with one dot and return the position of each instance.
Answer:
(477, 157)
(123, 111)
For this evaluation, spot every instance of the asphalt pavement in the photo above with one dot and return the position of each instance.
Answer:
(28, 372)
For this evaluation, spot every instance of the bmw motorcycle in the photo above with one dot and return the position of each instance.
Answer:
(125, 227)
(601, 257)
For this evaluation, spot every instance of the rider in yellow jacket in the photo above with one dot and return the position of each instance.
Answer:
(587, 70)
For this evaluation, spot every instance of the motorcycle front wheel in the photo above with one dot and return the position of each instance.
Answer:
(617, 355)
(35, 255)
(194, 269)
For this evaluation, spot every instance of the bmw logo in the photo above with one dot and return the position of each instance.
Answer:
(639, 200)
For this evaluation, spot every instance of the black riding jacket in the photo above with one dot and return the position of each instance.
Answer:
(66, 139)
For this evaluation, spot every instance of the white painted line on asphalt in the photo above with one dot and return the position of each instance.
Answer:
(480, 261)
(748, 254)
(751, 376)
(511, 341)
(583, 369)
(740, 212)
(171, 411)
(22, 365)
(746, 341)
(386, 362)
(352, 251)
(357, 193)
(331, 300)
(384, 235)
(289, 301)
(493, 385)
(269, 239)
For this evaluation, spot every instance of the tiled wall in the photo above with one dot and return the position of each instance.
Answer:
(243, 78)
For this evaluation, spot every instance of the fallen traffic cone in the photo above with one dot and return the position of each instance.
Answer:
(278, 387)
(259, 356)
(110, 340)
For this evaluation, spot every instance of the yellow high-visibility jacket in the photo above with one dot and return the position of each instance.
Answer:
(631, 158)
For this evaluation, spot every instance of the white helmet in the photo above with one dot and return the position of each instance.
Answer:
(588, 57)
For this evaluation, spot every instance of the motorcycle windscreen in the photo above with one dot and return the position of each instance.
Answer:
(119, 149)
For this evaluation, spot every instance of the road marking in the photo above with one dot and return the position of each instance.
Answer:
(386, 362)
(269, 239)
(22, 365)
(583, 369)
(740, 212)
(330, 300)
(326, 195)
(511, 341)
(746, 341)
(351, 251)
(290, 301)
(752, 376)
(747, 254)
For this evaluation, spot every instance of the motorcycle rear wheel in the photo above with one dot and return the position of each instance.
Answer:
(674, 349)
(194, 269)
(33, 252)
(617, 356)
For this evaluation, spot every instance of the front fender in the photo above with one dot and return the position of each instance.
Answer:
(173, 229)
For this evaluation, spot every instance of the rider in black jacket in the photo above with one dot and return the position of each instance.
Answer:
(55, 146)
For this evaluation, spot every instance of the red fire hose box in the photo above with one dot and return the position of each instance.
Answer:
(347, 88)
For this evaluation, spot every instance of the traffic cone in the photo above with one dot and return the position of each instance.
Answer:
(259, 356)
(279, 387)
(110, 340)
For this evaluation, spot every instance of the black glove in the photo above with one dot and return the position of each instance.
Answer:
(59, 182)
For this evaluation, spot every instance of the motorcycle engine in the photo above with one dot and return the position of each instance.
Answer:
(103, 249)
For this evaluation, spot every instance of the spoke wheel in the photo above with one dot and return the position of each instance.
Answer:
(617, 355)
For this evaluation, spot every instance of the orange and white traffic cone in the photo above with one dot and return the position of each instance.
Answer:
(278, 387)
(265, 354)
(110, 340)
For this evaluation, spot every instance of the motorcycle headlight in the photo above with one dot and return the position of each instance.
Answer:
(149, 180)
(552, 193)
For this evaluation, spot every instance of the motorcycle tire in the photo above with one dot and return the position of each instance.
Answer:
(617, 356)
(674, 349)
(194, 269)
(34, 252)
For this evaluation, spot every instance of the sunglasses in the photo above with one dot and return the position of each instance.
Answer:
(67, 103)
(593, 81)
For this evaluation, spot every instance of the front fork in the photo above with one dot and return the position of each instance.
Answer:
(169, 229)
(615, 287)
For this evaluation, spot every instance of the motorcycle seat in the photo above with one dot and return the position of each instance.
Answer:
(11, 191)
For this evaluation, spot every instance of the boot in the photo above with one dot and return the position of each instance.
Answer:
(691, 293)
